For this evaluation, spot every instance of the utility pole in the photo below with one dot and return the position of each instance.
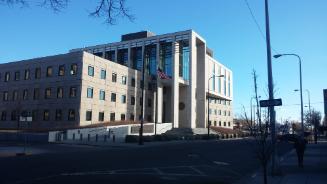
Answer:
(271, 90)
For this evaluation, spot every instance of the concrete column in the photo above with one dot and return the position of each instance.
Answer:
(160, 103)
(175, 86)
(129, 60)
(191, 91)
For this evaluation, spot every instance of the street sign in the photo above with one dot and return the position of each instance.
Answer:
(273, 102)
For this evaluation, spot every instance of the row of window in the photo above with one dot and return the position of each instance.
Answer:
(112, 116)
(58, 114)
(113, 97)
(219, 101)
(48, 92)
(37, 73)
(225, 113)
(220, 124)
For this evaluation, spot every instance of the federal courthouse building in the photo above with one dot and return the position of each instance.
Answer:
(104, 83)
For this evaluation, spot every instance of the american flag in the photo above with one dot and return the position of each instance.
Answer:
(162, 74)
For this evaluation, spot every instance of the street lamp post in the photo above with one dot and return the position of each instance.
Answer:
(279, 55)
(213, 76)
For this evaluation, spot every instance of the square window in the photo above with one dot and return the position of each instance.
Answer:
(123, 80)
(49, 71)
(114, 77)
(113, 97)
(132, 100)
(27, 75)
(90, 71)
(46, 115)
(60, 92)
(47, 93)
(123, 99)
(7, 76)
(37, 73)
(17, 76)
(73, 69)
(103, 74)
(89, 92)
(112, 116)
(101, 116)
(102, 95)
(122, 117)
(36, 93)
(71, 115)
(131, 117)
(58, 114)
(133, 82)
(88, 116)
(25, 94)
(72, 92)
(61, 71)
(5, 96)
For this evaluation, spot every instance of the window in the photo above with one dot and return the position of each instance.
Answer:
(149, 86)
(46, 115)
(165, 58)
(3, 116)
(150, 59)
(131, 117)
(136, 57)
(61, 71)
(60, 92)
(89, 92)
(101, 116)
(25, 94)
(132, 100)
(34, 115)
(37, 73)
(184, 59)
(123, 80)
(88, 116)
(110, 55)
(229, 124)
(224, 123)
(149, 118)
(13, 115)
(17, 76)
(102, 95)
(210, 111)
(100, 54)
(47, 94)
(103, 74)
(149, 102)
(72, 92)
(49, 71)
(219, 112)
(112, 116)
(228, 113)
(71, 115)
(15, 95)
(114, 77)
(225, 113)
(123, 99)
(133, 82)
(5, 96)
(122, 56)
(27, 75)
(36, 93)
(219, 123)
(73, 69)
(90, 71)
(58, 114)
(7, 76)
(113, 97)
(141, 101)
(122, 117)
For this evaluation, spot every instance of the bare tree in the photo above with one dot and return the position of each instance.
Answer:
(313, 118)
(110, 10)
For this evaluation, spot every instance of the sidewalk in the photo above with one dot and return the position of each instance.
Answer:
(314, 171)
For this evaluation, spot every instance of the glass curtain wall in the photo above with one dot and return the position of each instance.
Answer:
(184, 59)
(123, 56)
(165, 61)
(150, 60)
(137, 58)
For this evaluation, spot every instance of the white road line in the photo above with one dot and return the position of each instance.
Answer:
(197, 171)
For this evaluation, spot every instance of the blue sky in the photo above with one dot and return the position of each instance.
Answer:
(297, 26)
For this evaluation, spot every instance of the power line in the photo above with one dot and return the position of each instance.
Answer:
(257, 24)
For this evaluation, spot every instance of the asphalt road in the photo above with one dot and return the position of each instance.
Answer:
(222, 161)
